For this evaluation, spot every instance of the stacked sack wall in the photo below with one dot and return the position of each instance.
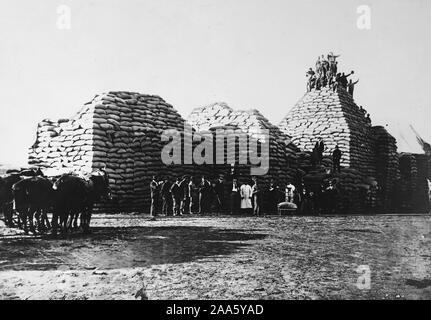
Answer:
(128, 128)
(422, 197)
(387, 163)
(413, 185)
(283, 159)
(407, 183)
(119, 131)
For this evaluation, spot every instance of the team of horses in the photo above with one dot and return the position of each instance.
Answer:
(27, 196)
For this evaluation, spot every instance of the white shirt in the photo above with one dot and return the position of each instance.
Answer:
(234, 187)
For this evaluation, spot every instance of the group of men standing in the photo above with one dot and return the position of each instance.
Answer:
(188, 196)
(326, 74)
(317, 156)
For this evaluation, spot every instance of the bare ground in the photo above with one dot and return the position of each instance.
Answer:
(223, 258)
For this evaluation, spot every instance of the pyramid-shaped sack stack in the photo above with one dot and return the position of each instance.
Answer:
(368, 153)
(333, 116)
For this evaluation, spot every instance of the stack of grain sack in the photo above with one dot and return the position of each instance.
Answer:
(422, 192)
(413, 185)
(333, 116)
(407, 184)
(120, 131)
(387, 163)
(283, 159)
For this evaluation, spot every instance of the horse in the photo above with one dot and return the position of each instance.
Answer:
(76, 196)
(33, 196)
(6, 196)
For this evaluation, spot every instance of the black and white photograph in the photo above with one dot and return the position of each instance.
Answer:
(238, 151)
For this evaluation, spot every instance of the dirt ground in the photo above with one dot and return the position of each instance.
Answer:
(190, 257)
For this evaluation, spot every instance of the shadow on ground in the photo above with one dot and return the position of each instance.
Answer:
(122, 247)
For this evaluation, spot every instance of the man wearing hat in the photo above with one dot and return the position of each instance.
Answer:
(166, 196)
(176, 197)
(219, 192)
(256, 194)
(155, 193)
(185, 194)
(204, 188)
(336, 159)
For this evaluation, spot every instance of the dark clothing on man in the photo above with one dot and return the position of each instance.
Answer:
(343, 80)
(176, 190)
(318, 149)
(219, 193)
(165, 189)
(204, 189)
(166, 195)
(155, 196)
(321, 149)
(351, 87)
(176, 198)
(257, 198)
(185, 195)
(336, 158)
(325, 68)
(235, 198)
(194, 197)
(315, 156)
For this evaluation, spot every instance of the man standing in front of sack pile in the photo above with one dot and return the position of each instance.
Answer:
(219, 193)
(176, 197)
(185, 194)
(336, 159)
(165, 192)
(256, 193)
(155, 195)
(204, 189)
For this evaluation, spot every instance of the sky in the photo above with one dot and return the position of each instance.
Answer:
(247, 53)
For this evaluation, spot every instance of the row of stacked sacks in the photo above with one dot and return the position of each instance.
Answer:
(283, 161)
(387, 164)
(406, 185)
(411, 190)
(423, 162)
(127, 141)
(361, 135)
